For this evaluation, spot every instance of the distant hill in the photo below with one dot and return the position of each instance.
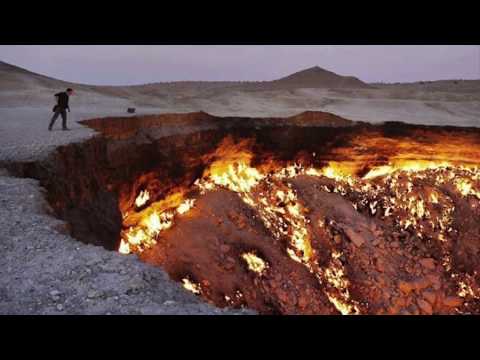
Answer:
(17, 78)
(22, 86)
(316, 77)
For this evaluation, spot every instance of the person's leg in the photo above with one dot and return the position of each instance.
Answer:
(54, 118)
(64, 119)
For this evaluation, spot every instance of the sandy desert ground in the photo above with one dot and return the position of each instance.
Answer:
(454, 102)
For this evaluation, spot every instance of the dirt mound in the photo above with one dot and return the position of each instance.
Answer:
(319, 118)
(317, 77)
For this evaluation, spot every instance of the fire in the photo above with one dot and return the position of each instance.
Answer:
(255, 263)
(466, 187)
(238, 177)
(124, 247)
(185, 206)
(409, 166)
(231, 167)
(299, 237)
(413, 192)
(157, 222)
(151, 222)
(339, 296)
(142, 198)
(192, 287)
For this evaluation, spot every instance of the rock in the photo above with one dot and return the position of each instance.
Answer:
(428, 263)
(422, 283)
(62, 228)
(430, 296)
(92, 294)
(453, 301)
(241, 224)
(229, 265)
(224, 248)
(60, 307)
(54, 293)
(396, 235)
(435, 281)
(283, 296)
(380, 265)
(302, 302)
(406, 287)
(337, 239)
(400, 302)
(414, 310)
(355, 237)
(425, 307)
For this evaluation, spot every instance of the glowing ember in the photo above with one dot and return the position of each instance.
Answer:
(254, 263)
(466, 187)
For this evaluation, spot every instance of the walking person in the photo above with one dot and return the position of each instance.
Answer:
(61, 108)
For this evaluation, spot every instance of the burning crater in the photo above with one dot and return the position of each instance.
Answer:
(312, 214)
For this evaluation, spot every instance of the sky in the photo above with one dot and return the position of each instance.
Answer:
(139, 64)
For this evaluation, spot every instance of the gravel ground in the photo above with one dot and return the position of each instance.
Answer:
(45, 271)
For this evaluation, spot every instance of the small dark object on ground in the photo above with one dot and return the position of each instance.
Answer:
(131, 110)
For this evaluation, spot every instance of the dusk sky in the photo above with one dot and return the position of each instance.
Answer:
(128, 64)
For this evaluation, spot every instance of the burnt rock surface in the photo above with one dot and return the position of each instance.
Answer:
(85, 181)
(359, 262)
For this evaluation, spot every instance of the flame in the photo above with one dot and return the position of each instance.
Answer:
(152, 221)
(185, 206)
(405, 166)
(300, 240)
(255, 263)
(237, 177)
(336, 278)
(192, 287)
(155, 223)
(412, 188)
(142, 198)
(230, 166)
(124, 247)
(465, 290)
(466, 188)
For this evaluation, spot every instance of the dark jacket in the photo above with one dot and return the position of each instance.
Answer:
(62, 100)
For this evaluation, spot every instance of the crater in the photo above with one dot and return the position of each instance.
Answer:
(312, 214)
